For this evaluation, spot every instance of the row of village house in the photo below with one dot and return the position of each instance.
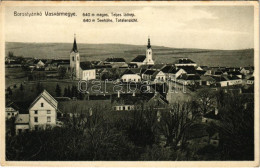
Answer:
(184, 71)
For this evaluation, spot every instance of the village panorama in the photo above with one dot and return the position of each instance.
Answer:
(112, 109)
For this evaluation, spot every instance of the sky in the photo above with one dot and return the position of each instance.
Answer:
(205, 27)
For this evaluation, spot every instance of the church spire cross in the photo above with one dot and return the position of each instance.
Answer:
(149, 45)
(75, 48)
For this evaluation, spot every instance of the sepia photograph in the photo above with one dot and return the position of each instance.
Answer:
(172, 82)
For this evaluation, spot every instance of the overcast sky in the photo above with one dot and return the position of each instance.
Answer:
(207, 27)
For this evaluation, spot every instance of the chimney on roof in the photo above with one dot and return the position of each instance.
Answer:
(118, 94)
(134, 93)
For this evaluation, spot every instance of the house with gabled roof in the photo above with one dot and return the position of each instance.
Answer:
(130, 76)
(189, 79)
(40, 114)
(154, 75)
(227, 80)
(11, 110)
(251, 80)
(133, 101)
(116, 62)
(22, 123)
(43, 111)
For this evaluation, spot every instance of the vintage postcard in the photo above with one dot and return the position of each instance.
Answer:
(129, 84)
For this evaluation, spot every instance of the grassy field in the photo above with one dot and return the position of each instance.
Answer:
(160, 54)
(14, 76)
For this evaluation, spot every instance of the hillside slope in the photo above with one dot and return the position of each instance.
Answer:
(160, 54)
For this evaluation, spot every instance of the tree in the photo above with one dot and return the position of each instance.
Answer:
(175, 122)
(65, 92)
(237, 127)
(10, 92)
(21, 87)
(62, 72)
(205, 100)
(10, 54)
(58, 90)
(39, 88)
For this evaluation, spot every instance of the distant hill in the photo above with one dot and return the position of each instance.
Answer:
(128, 52)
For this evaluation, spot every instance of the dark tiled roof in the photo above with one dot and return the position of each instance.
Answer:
(158, 66)
(60, 61)
(233, 77)
(128, 71)
(86, 65)
(146, 66)
(13, 105)
(189, 77)
(189, 69)
(149, 72)
(219, 78)
(115, 60)
(129, 99)
(139, 58)
(184, 61)
(167, 68)
(234, 73)
(200, 72)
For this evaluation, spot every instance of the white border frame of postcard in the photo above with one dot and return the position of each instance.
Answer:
(254, 163)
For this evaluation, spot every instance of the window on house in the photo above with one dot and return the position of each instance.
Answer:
(12, 114)
(123, 108)
(41, 104)
(48, 119)
(128, 107)
(48, 111)
(36, 119)
(36, 112)
(8, 113)
(72, 58)
(134, 79)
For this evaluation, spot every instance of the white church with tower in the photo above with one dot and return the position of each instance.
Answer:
(80, 70)
(144, 59)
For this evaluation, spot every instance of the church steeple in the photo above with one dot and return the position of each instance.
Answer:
(149, 45)
(75, 48)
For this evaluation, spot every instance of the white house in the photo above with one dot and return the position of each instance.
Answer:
(22, 123)
(227, 80)
(247, 70)
(130, 76)
(40, 64)
(43, 112)
(86, 71)
(11, 110)
(250, 81)
(159, 76)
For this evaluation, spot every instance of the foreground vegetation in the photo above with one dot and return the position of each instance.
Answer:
(101, 134)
